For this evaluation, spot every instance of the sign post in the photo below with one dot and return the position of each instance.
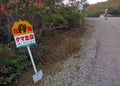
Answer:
(24, 37)
(81, 11)
(81, 7)
(33, 63)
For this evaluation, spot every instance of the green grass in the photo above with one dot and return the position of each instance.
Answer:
(77, 67)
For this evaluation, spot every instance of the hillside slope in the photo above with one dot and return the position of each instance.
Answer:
(97, 9)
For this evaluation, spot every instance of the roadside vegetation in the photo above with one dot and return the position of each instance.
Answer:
(56, 27)
(112, 5)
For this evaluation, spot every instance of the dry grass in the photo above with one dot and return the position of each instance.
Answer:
(61, 45)
(69, 45)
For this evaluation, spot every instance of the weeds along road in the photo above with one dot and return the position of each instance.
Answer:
(104, 67)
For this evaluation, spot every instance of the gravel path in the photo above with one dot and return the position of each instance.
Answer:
(105, 69)
(99, 65)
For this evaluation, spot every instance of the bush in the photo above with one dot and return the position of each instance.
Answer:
(11, 65)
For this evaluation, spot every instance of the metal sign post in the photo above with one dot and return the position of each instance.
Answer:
(33, 63)
(38, 75)
(81, 10)
(81, 7)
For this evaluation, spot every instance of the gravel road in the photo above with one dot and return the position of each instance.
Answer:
(105, 65)
(100, 65)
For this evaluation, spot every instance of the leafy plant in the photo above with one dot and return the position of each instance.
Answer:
(11, 65)
(77, 67)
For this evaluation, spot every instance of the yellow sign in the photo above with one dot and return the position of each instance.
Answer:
(23, 34)
(22, 28)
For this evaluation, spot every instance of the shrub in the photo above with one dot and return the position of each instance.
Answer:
(11, 65)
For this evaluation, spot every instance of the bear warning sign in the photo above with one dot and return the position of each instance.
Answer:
(24, 37)
(23, 34)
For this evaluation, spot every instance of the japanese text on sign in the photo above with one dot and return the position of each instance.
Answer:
(23, 34)
(25, 40)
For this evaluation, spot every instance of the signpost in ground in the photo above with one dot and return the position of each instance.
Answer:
(81, 11)
(24, 37)
(81, 7)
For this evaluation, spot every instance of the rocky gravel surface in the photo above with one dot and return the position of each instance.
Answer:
(98, 63)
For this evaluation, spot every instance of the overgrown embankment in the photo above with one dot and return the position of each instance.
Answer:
(53, 23)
